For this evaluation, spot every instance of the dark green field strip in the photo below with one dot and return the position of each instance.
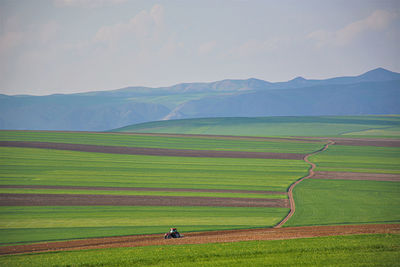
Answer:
(46, 223)
(8, 199)
(141, 189)
(28, 166)
(224, 143)
(357, 176)
(356, 250)
(329, 202)
(358, 159)
(152, 151)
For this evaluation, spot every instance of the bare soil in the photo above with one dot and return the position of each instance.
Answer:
(141, 189)
(204, 237)
(357, 176)
(152, 151)
(115, 200)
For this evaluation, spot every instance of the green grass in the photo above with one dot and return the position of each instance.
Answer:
(359, 159)
(357, 250)
(270, 126)
(328, 202)
(387, 132)
(198, 143)
(138, 193)
(23, 166)
(33, 224)
(26, 166)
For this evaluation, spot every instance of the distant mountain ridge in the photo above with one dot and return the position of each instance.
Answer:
(374, 92)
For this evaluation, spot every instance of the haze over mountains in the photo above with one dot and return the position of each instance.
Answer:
(374, 92)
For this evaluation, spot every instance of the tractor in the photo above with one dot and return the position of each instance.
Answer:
(173, 233)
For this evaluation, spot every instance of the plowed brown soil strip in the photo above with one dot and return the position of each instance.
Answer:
(152, 151)
(142, 189)
(113, 200)
(205, 237)
(357, 176)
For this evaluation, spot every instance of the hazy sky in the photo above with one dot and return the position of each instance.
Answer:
(65, 46)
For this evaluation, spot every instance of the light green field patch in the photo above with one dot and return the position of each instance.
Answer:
(138, 193)
(391, 132)
(268, 126)
(329, 202)
(358, 159)
(23, 166)
(359, 250)
(33, 224)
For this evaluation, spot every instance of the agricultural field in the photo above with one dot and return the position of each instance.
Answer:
(192, 193)
(60, 193)
(370, 159)
(27, 166)
(51, 223)
(359, 126)
(358, 250)
(332, 202)
(352, 185)
(276, 145)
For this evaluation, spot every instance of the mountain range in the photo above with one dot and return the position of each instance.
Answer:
(374, 92)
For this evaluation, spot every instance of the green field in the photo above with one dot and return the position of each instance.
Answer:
(329, 202)
(318, 202)
(277, 126)
(358, 159)
(359, 250)
(34, 224)
(187, 142)
(27, 166)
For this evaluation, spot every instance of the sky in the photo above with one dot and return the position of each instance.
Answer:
(69, 46)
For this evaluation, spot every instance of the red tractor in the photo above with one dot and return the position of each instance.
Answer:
(173, 233)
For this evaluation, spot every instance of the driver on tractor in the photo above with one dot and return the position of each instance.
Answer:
(173, 233)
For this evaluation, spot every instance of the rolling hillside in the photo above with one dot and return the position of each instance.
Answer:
(360, 126)
(374, 92)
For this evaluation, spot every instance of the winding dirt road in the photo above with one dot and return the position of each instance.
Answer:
(311, 173)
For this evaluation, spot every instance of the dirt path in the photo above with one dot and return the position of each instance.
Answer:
(152, 151)
(118, 200)
(204, 237)
(290, 191)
